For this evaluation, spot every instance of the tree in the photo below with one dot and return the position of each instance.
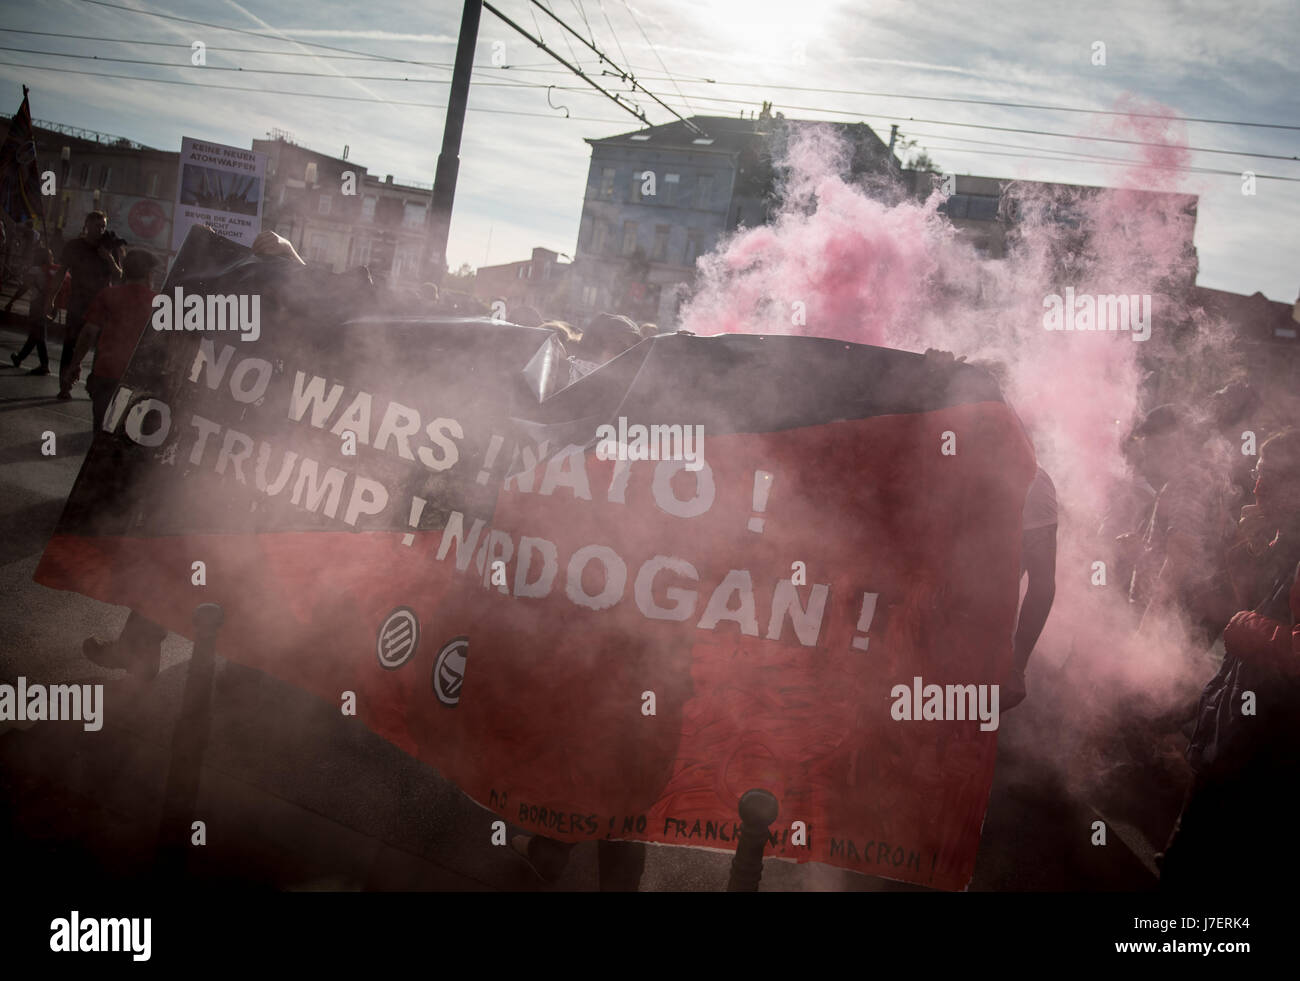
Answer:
(462, 279)
(922, 162)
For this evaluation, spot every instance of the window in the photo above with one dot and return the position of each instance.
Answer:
(412, 215)
(671, 182)
(367, 209)
(310, 174)
(589, 296)
(660, 251)
(325, 204)
(363, 253)
(704, 190)
(318, 249)
(692, 246)
(153, 185)
(85, 175)
(599, 234)
(629, 237)
(105, 176)
(702, 141)
(607, 183)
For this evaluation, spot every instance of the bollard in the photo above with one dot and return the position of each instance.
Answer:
(189, 742)
(758, 809)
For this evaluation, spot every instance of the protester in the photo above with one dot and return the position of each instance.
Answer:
(113, 324)
(566, 332)
(40, 281)
(93, 265)
(268, 243)
(1189, 530)
(620, 863)
(1038, 561)
(606, 337)
(1245, 749)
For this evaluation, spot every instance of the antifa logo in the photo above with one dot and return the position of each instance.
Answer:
(399, 635)
(449, 671)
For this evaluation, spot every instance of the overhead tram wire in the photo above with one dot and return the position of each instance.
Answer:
(655, 51)
(615, 98)
(623, 73)
(540, 85)
(1010, 129)
(270, 52)
(264, 35)
(610, 24)
(279, 71)
(1101, 161)
(976, 102)
(304, 95)
(688, 79)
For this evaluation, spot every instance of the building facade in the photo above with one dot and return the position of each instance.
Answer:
(338, 214)
(659, 198)
(540, 282)
(135, 185)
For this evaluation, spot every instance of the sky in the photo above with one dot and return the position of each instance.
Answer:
(524, 163)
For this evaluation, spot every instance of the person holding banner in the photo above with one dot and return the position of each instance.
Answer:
(113, 325)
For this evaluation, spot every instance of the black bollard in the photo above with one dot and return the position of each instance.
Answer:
(758, 809)
(189, 742)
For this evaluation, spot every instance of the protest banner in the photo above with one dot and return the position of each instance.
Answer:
(590, 643)
(221, 187)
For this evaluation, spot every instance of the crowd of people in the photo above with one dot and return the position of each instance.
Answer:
(1208, 539)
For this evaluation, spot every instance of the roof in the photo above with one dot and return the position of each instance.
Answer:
(729, 134)
(1254, 316)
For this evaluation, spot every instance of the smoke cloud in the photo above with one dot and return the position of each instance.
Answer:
(868, 265)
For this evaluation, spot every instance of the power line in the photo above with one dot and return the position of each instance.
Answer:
(637, 112)
(266, 35)
(655, 52)
(1067, 156)
(1010, 129)
(987, 102)
(692, 79)
(625, 75)
(613, 33)
(572, 54)
(582, 12)
(1112, 162)
(283, 71)
(305, 95)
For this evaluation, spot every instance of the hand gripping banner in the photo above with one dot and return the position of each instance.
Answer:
(591, 640)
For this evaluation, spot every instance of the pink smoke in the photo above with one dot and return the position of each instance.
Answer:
(839, 262)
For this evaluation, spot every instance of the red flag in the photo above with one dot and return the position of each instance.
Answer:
(593, 648)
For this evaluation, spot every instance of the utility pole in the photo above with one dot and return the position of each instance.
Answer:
(444, 181)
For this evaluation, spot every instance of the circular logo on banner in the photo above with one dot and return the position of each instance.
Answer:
(399, 635)
(147, 219)
(449, 671)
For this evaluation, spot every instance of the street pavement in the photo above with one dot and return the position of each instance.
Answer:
(296, 796)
